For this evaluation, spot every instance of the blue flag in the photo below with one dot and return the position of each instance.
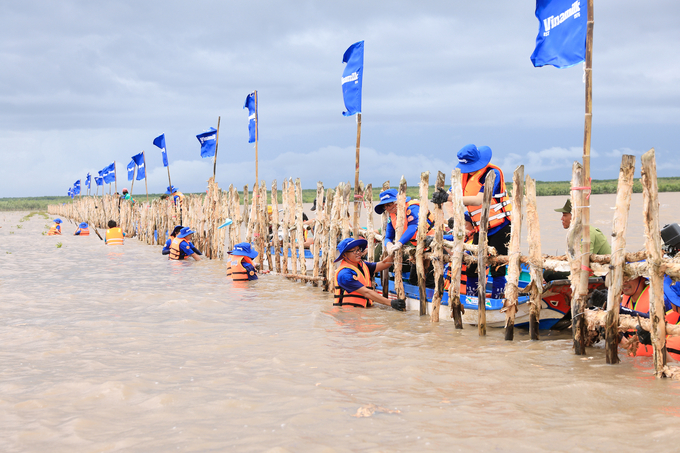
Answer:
(352, 78)
(561, 39)
(76, 188)
(70, 192)
(109, 173)
(99, 181)
(87, 181)
(207, 141)
(131, 170)
(251, 105)
(160, 142)
(139, 160)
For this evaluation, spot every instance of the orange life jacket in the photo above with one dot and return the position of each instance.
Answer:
(114, 236)
(181, 198)
(353, 299)
(463, 267)
(175, 250)
(83, 232)
(54, 230)
(500, 208)
(235, 268)
(430, 222)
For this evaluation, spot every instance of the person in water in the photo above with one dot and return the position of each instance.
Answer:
(173, 235)
(240, 266)
(598, 242)
(181, 247)
(114, 235)
(126, 195)
(388, 203)
(353, 277)
(474, 164)
(82, 230)
(55, 229)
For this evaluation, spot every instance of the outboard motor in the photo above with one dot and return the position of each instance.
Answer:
(671, 239)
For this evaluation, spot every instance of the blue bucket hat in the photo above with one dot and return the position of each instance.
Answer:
(83, 225)
(170, 190)
(244, 249)
(184, 232)
(349, 243)
(57, 220)
(387, 196)
(471, 159)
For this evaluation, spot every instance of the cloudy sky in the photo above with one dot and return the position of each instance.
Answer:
(84, 83)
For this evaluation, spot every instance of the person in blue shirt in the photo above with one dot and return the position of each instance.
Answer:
(354, 276)
(181, 246)
(388, 203)
(240, 266)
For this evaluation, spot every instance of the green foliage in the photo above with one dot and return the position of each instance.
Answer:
(9, 253)
(19, 226)
(59, 244)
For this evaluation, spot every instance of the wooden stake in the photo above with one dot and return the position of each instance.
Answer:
(650, 208)
(536, 270)
(457, 253)
(286, 227)
(574, 251)
(511, 288)
(438, 253)
(357, 192)
(489, 182)
(422, 232)
(275, 227)
(317, 230)
(619, 227)
(399, 230)
(300, 228)
(333, 236)
(385, 276)
(370, 233)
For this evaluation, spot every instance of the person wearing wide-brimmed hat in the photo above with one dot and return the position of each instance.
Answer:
(173, 235)
(388, 203)
(240, 266)
(177, 196)
(55, 229)
(352, 280)
(82, 230)
(181, 246)
(474, 164)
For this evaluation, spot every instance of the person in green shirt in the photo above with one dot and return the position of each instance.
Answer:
(598, 242)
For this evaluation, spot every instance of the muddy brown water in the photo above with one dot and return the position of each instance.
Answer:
(117, 349)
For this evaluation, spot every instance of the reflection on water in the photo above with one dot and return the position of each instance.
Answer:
(121, 350)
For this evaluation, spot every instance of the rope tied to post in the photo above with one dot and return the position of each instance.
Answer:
(586, 188)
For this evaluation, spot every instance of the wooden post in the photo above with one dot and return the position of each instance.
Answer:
(437, 253)
(650, 208)
(489, 183)
(253, 215)
(300, 228)
(293, 221)
(457, 253)
(246, 205)
(535, 268)
(217, 140)
(275, 227)
(385, 275)
(619, 227)
(357, 192)
(399, 230)
(264, 226)
(317, 230)
(422, 232)
(333, 235)
(370, 233)
(511, 288)
(574, 251)
(286, 226)
(344, 214)
(327, 252)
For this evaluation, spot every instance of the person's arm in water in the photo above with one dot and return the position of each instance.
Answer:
(166, 248)
(186, 248)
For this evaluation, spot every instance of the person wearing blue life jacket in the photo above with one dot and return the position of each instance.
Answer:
(474, 164)
(388, 203)
(352, 281)
(240, 266)
(82, 230)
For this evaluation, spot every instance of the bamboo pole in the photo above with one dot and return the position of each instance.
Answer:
(257, 133)
(217, 140)
(511, 288)
(650, 208)
(275, 227)
(385, 276)
(489, 183)
(534, 239)
(145, 178)
(370, 232)
(317, 230)
(619, 227)
(253, 215)
(333, 236)
(264, 229)
(246, 207)
(344, 213)
(399, 230)
(574, 251)
(115, 177)
(438, 252)
(422, 232)
(357, 192)
(457, 252)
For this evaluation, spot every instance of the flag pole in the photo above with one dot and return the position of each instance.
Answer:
(257, 133)
(357, 194)
(146, 185)
(217, 139)
(133, 179)
(115, 176)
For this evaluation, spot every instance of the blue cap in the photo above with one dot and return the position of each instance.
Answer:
(471, 159)
(348, 244)
(57, 220)
(468, 218)
(170, 190)
(83, 225)
(387, 196)
(244, 249)
(184, 232)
